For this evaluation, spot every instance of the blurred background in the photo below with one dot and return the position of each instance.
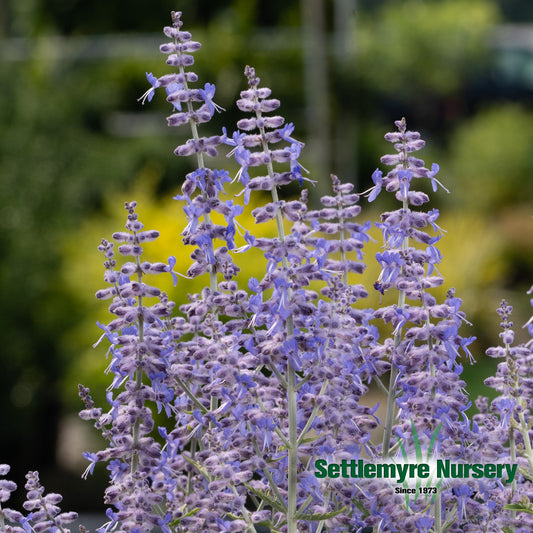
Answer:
(76, 144)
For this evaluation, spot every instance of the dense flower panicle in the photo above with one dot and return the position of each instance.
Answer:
(264, 133)
(176, 85)
(8, 515)
(503, 426)
(260, 383)
(44, 513)
(209, 368)
(202, 186)
(508, 417)
(140, 347)
(217, 413)
(424, 344)
(203, 367)
(258, 380)
(291, 328)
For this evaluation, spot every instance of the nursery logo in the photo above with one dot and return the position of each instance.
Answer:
(416, 476)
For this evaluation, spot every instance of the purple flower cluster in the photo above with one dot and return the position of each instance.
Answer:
(43, 509)
(140, 345)
(258, 382)
(425, 392)
(312, 348)
(218, 411)
(503, 425)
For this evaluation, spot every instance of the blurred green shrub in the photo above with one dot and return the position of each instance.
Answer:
(412, 47)
(81, 260)
(491, 158)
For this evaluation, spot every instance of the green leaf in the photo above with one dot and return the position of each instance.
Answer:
(178, 520)
(519, 507)
(267, 498)
(310, 439)
(450, 520)
(405, 458)
(320, 516)
(432, 441)
(198, 467)
(365, 512)
(526, 473)
(437, 486)
(418, 451)
(404, 452)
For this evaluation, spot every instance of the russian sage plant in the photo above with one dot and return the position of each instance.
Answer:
(219, 413)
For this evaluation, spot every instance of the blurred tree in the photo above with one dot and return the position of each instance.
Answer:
(316, 91)
(57, 163)
(491, 159)
(418, 55)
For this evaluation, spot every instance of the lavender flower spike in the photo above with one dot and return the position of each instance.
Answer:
(424, 343)
(306, 344)
(44, 512)
(140, 346)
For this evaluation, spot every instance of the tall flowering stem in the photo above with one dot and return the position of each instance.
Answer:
(392, 390)
(512, 380)
(396, 243)
(199, 109)
(44, 513)
(257, 99)
(312, 349)
(140, 346)
(425, 391)
(503, 428)
(211, 369)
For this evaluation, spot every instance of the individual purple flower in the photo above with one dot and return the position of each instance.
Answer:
(504, 406)
(149, 94)
(434, 181)
(171, 265)
(231, 212)
(286, 131)
(424, 523)
(404, 177)
(391, 262)
(377, 176)
(434, 258)
(171, 90)
(93, 458)
(207, 94)
(463, 492)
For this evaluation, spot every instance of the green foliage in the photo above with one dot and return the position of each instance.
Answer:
(58, 160)
(491, 158)
(523, 506)
(411, 47)
(81, 261)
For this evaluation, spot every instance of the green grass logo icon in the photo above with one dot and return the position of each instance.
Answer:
(428, 488)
